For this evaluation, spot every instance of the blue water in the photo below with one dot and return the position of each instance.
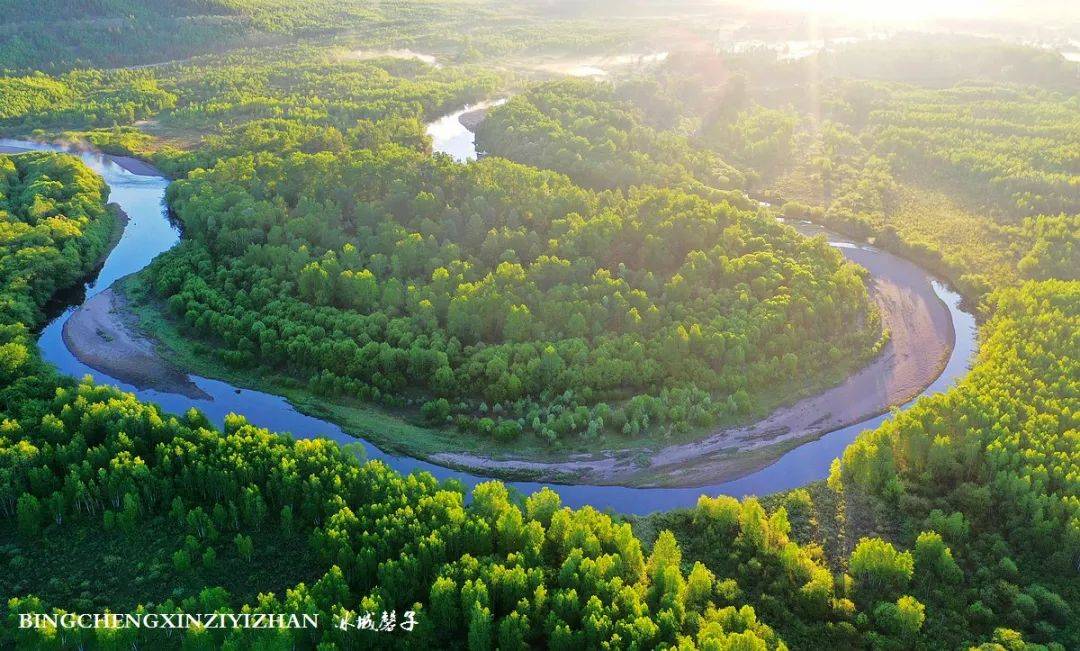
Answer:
(150, 232)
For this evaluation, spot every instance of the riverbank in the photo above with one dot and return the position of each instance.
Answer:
(285, 405)
(453, 134)
(921, 338)
(103, 334)
(136, 166)
(472, 119)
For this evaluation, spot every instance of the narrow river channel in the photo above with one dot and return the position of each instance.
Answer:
(149, 233)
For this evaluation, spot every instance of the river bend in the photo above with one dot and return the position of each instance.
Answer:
(149, 232)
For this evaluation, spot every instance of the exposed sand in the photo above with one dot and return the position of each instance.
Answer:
(472, 119)
(921, 339)
(135, 165)
(101, 336)
(131, 164)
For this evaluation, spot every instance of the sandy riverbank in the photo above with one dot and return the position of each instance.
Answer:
(102, 335)
(921, 339)
(129, 163)
(135, 165)
(472, 119)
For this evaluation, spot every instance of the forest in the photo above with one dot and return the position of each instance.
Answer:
(504, 298)
(515, 572)
(604, 274)
(602, 137)
(57, 36)
(304, 99)
(993, 150)
(881, 161)
(463, 295)
(54, 228)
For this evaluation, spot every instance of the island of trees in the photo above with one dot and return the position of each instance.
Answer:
(504, 298)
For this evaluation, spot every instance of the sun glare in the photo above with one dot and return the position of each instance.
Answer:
(907, 11)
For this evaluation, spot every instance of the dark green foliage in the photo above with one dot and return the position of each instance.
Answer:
(533, 572)
(508, 291)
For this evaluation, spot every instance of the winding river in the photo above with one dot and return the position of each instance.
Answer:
(150, 232)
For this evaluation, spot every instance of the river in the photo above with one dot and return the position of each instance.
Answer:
(150, 232)
(449, 135)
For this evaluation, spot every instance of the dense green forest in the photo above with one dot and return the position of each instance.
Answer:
(511, 572)
(503, 295)
(304, 99)
(610, 280)
(66, 33)
(917, 169)
(494, 298)
(54, 227)
(973, 173)
(883, 165)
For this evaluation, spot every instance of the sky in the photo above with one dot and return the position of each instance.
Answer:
(919, 10)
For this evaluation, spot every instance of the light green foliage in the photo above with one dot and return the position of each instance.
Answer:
(80, 99)
(600, 137)
(975, 181)
(54, 228)
(990, 467)
(759, 139)
(880, 572)
(63, 34)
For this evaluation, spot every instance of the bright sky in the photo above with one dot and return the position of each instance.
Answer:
(916, 10)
